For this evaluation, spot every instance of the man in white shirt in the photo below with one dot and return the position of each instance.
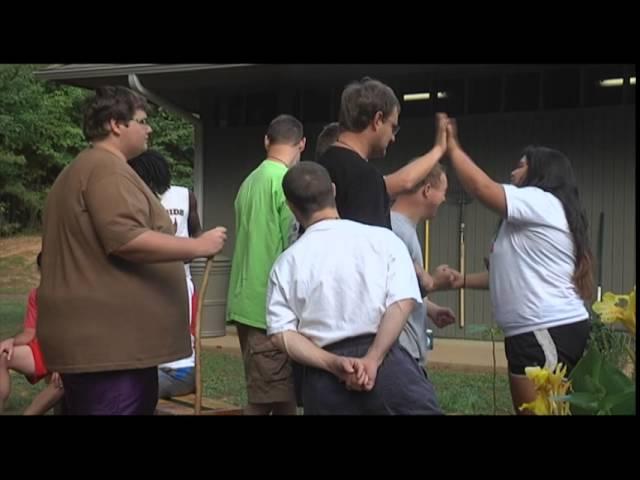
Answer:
(337, 301)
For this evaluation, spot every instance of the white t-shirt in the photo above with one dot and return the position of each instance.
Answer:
(532, 265)
(176, 203)
(337, 281)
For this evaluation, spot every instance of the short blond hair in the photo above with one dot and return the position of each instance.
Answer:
(433, 178)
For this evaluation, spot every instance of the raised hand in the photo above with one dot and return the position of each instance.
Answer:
(452, 134)
(442, 121)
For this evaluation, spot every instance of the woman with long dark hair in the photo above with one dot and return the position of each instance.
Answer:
(540, 268)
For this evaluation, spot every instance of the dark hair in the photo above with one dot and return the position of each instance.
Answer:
(110, 103)
(361, 101)
(154, 170)
(285, 129)
(434, 177)
(551, 171)
(307, 186)
(326, 138)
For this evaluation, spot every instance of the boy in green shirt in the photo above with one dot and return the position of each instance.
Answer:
(264, 228)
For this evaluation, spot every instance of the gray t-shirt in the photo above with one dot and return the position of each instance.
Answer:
(414, 336)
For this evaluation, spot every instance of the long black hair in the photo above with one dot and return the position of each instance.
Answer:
(154, 170)
(551, 171)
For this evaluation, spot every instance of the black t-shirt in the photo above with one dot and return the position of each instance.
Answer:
(361, 192)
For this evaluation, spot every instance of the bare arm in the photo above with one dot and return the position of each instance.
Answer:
(411, 174)
(24, 337)
(455, 280)
(477, 281)
(425, 280)
(304, 351)
(155, 247)
(391, 325)
(193, 222)
(473, 179)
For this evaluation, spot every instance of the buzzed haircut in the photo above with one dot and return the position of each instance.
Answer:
(285, 130)
(307, 186)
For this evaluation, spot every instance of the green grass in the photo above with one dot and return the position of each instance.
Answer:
(223, 376)
(22, 393)
(11, 316)
(458, 392)
(471, 393)
(19, 275)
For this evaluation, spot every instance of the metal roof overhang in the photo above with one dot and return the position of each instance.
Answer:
(191, 86)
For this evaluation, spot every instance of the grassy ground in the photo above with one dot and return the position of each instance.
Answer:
(458, 392)
(18, 271)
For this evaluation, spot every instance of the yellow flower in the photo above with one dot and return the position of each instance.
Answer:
(539, 376)
(549, 385)
(540, 406)
(556, 378)
(618, 308)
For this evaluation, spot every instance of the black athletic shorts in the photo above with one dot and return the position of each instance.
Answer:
(547, 347)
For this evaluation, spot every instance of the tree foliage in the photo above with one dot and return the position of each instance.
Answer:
(41, 133)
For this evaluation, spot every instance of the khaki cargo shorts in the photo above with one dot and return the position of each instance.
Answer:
(267, 370)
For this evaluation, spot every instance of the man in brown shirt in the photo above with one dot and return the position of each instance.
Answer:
(113, 301)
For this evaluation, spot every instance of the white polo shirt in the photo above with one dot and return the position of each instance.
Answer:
(337, 281)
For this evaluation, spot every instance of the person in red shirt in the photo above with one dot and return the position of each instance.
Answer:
(22, 354)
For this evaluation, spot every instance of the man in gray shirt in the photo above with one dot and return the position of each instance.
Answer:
(419, 204)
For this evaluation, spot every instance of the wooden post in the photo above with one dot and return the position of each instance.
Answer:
(197, 404)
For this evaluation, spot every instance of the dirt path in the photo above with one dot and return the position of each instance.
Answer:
(23, 246)
(18, 271)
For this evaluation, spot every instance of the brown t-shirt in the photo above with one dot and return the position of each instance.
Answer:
(97, 311)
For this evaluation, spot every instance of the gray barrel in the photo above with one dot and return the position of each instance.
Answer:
(214, 308)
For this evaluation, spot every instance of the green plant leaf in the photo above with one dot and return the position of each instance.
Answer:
(613, 380)
(584, 403)
(623, 403)
(585, 375)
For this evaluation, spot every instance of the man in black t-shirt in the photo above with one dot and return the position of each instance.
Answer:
(368, 120)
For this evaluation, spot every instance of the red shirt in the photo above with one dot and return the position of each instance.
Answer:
(31, 315)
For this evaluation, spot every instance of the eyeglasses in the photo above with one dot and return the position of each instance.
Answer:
(141, 121)
(395, 130)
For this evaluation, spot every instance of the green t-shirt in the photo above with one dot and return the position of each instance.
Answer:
(264, 226)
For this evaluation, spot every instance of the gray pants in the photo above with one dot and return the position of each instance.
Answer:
(401, 387)
(173, 382)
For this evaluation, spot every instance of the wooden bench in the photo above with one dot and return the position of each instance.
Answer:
(184, 405)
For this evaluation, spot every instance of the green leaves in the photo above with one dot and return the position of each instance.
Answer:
(38, 136)
(173, 137)
(600, 388)
(41, 133)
